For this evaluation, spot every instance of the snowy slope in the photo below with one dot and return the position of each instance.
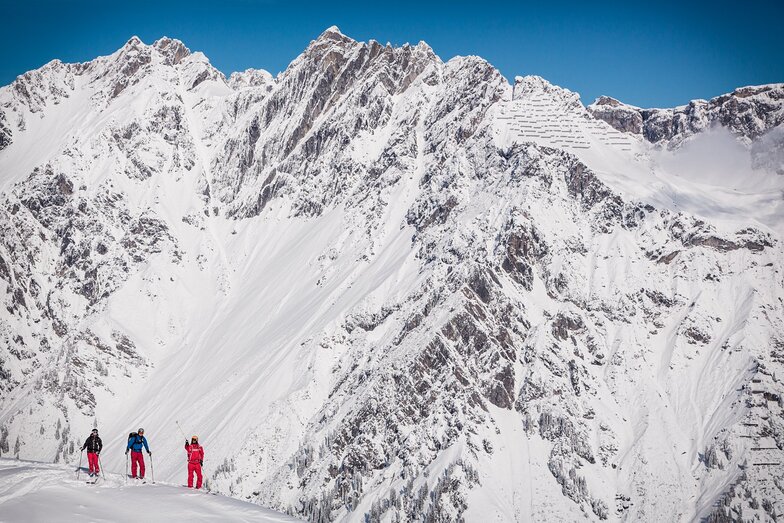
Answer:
(382, 285)
(38, 492)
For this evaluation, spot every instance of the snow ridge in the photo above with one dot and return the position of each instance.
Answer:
(39, 492)
(748, 112)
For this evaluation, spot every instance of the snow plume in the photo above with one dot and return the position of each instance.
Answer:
(714, 157)
(380, 289)
(716, 176)
(768, 151)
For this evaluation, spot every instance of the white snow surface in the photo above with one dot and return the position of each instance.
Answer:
(40, 492)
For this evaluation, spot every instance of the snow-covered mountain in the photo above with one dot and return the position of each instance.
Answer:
(385, 287)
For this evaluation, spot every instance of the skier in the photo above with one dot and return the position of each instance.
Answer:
(195, 460)
(135, 442)
(93, 444)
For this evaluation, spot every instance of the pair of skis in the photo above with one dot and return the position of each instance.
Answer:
(79, 468)
(93, 482)
(140, 480)
(152, 468)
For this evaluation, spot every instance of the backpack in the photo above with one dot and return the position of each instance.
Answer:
(137, 439)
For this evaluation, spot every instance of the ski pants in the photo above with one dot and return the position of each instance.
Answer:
(137, 458)
(194, 468)
(92, 461)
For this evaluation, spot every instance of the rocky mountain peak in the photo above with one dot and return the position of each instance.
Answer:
(133, 42)
(607, 100)
(173, 50)
(49, 84)
(622, 117)
(333, 32)
(536, 86)
(332, 37)
(250, 78)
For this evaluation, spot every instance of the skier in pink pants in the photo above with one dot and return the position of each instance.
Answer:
(136, 441)
(93, 444)
(195, 461)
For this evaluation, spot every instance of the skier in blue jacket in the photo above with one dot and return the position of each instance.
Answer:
(136, 441)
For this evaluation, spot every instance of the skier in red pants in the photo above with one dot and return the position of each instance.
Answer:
(93, 445)
(136, 441)
(195, 460)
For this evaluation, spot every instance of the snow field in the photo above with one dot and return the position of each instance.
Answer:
(41, 492)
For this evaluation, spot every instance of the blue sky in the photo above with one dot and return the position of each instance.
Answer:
(661, 54)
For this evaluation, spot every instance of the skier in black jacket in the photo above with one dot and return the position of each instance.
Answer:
(93, 444)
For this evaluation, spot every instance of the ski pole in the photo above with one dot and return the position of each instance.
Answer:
(181, 431)
(103, 474)
(152, 468)
(79, 470)
(126, 467)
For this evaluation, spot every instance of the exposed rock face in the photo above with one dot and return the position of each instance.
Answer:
(625, 118)
(748, 112)
(370, 308)
(5, 132)
(251, 78)
(173, 51)
(334, 74)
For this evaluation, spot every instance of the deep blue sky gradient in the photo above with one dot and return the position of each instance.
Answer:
(661, 54)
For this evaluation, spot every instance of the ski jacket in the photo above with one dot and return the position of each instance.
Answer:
(195, 452)
(135, 443)
(93, 444)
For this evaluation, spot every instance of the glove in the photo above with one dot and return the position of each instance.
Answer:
(186, 441)
(97, 453)
(201, 463)
(126, 452)
(149, 453)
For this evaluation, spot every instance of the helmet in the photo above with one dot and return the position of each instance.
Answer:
(140, 431)
(94, 431)
(194, 438)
